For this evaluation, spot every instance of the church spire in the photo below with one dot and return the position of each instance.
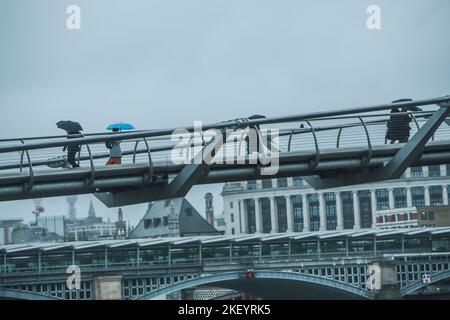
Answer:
(91, 213)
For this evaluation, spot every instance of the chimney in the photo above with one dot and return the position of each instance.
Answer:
(209, 209)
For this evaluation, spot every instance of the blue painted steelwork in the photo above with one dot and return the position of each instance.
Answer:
(282, 275)
(22, 295)
(436, 277)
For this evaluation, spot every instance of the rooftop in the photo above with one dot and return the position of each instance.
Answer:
(177, 241)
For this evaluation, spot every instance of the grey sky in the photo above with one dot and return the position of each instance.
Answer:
(167, 63)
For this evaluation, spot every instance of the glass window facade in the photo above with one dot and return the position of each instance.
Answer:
(298, 181)
(347, 209)
(251, 185)
(416, 172)
(365, 208)
(330, 210)
(297, 211)
(418, 196)
(280, 203)
(265, 215)
(282, 182)
(434, 171)
(399, 197)
(436, 195)
(314, 217)
(267, 183)
(382, 199)
(251, 219)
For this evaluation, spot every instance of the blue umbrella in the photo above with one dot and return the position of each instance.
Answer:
(120, 126)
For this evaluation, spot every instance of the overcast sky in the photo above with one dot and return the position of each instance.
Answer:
(167, 63)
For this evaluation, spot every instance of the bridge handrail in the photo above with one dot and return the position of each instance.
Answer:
(337, 256)
(223, 125)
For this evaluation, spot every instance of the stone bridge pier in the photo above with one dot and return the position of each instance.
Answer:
(384, 281)
(108, 288)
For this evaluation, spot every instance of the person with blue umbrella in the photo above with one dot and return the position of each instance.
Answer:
(114, 146)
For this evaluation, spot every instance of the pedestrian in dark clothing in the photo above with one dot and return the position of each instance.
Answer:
(72, 149)
(398, 128)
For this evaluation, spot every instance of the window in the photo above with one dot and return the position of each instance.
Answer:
(448, 170)
(347, 209)
(399, 197)
(231, 205)
(434, 171)
(416, 172)
(232, 230)
(314, 217)
(147, 223)
(297, 207)
(280, 203)
(282, 182)
(265, 215)
(298, 181)
(267, 184)
(365, 208)
(418, 196)
(435, 195)
(188, 211)
(251, 185)
(330, 211)
(232, 218)
(427, 215)
(165, 220)
(156, 222)
(251, 219)
(382, 199)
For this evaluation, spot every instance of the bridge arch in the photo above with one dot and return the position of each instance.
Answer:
(23, 295)
(419, 284)
(280, 275)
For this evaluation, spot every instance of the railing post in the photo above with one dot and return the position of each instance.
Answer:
(168, 255)
(289, 249)
(4, 262)
(375, 245)
(260, 251)
(403, 244)
(106, 257)
(318, 248)
(137, 257)
(39, 261)
(200, 252)
(231, 251)
(73, 257)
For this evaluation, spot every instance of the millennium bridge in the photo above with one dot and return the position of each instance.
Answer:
(350, 264)
(341, 147)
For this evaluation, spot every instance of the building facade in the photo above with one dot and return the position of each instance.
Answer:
(172, 218)
(290, 205)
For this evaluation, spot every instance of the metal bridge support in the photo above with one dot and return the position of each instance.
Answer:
(108, 288)
(178, 187)
(394, 169)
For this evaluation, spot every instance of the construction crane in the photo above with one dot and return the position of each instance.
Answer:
(38, 209)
